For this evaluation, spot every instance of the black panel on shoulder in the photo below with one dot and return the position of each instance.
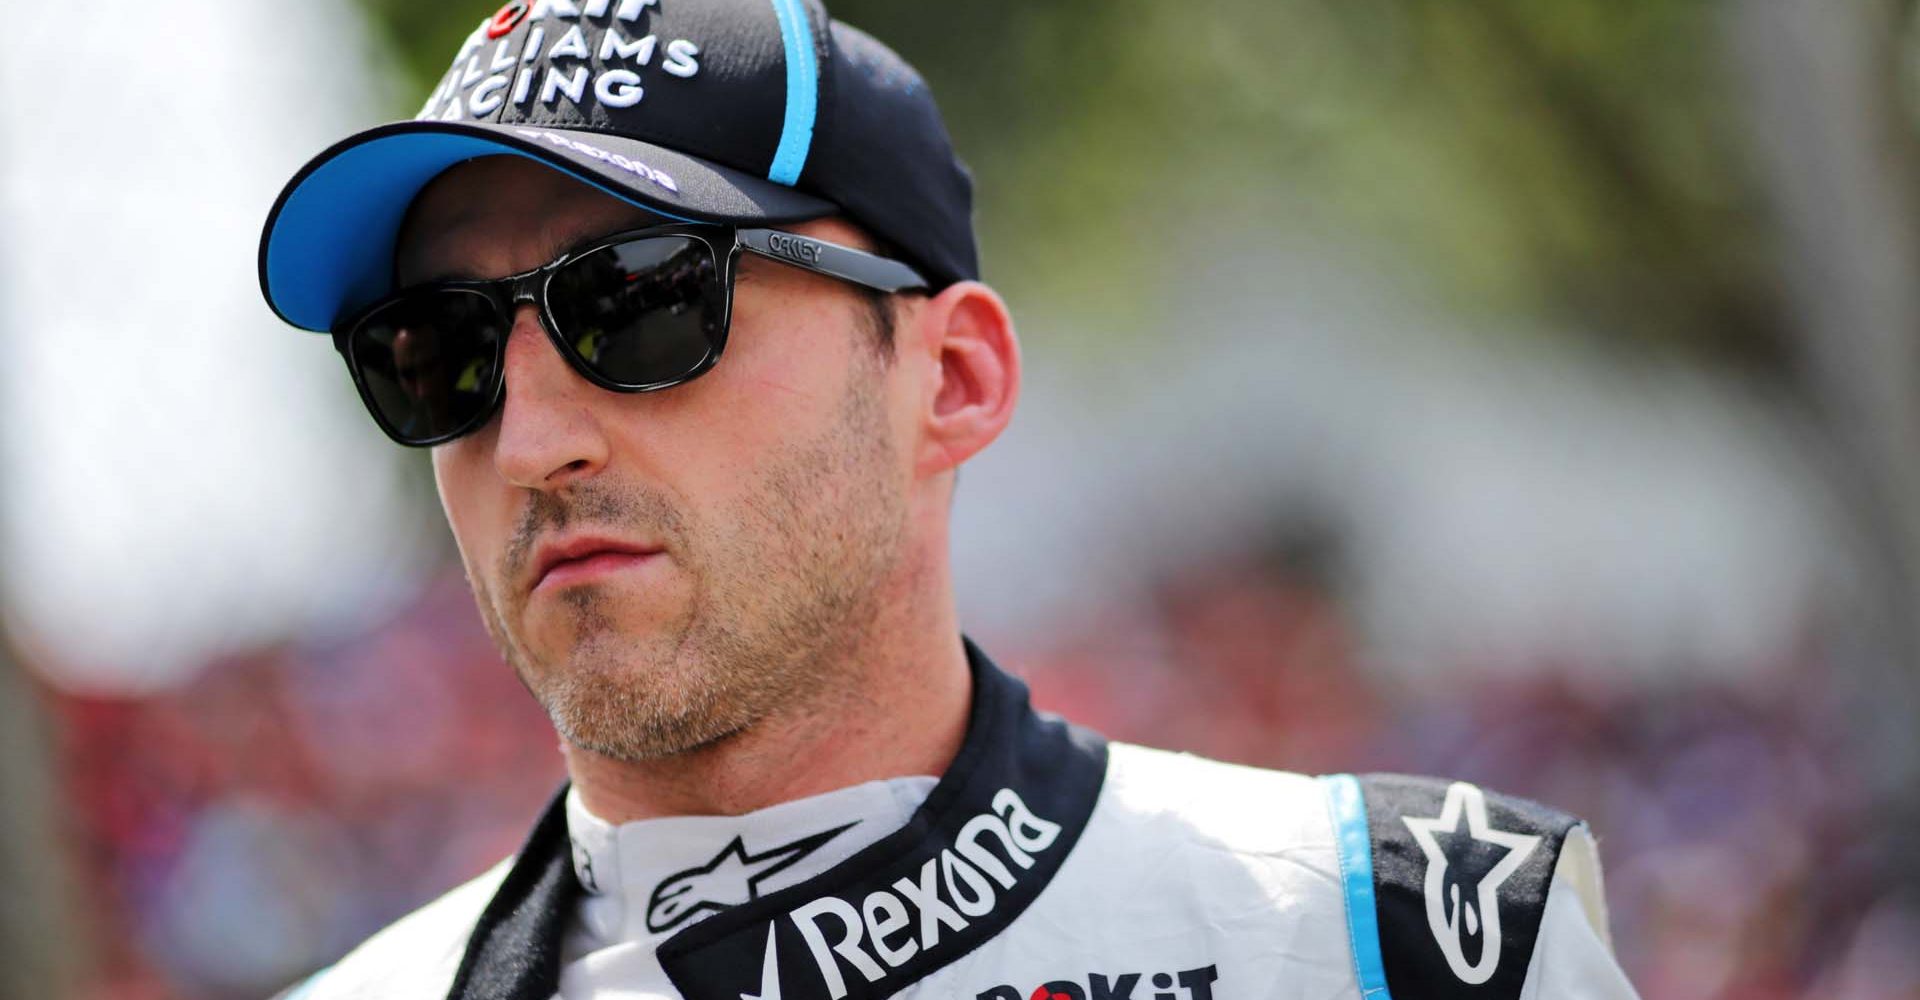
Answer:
(1461, 879)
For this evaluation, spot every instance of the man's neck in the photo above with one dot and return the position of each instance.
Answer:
(900, 710)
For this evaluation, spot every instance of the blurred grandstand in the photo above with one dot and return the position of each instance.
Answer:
(254, 824)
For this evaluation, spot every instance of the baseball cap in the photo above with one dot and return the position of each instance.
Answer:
(742, 112)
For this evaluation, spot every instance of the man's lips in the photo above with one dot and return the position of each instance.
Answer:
(565, 561)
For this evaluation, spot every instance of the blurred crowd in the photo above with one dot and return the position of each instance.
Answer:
(238, 832)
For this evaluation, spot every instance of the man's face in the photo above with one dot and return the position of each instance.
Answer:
(721, 543)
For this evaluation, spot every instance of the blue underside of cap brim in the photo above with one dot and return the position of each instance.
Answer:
(331, 246)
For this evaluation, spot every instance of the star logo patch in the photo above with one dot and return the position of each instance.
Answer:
(1467, 862)
(729, 880)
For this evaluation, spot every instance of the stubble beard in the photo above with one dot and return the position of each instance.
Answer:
(781, 597)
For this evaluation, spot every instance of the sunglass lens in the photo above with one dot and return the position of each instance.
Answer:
(428, 362)
(643, 313)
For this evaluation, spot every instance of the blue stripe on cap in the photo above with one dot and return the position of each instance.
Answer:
(803, 93)
(1348, 809)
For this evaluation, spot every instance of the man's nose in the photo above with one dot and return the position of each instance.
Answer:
(550, 431)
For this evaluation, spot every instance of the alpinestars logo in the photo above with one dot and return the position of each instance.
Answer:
(1191, 984)
(1465, 869)
(730, 879)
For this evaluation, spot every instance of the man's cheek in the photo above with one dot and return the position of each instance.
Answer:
(471, 493)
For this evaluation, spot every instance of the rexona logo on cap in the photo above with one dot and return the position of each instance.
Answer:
(626, 163)
(563, 55)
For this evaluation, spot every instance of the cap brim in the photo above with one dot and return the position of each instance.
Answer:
(328, 245)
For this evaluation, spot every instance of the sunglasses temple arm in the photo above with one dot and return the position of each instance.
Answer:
(858, 266)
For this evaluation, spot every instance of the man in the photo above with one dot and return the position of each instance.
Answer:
(699, 287)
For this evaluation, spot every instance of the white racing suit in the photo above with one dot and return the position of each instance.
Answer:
(1049, 864)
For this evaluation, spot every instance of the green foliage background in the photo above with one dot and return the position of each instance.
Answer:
(1578, 163)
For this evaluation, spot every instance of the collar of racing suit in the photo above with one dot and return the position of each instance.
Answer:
(647, 879)
(983, 845)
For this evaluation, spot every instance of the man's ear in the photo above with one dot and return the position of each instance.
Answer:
(972, 374)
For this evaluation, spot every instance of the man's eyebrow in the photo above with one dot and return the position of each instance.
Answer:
(552, 248)
(447, 274)
(552, 243)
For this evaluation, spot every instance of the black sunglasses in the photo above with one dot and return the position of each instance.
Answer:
(631, 312)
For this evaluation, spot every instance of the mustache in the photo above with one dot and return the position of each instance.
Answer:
(619, 510)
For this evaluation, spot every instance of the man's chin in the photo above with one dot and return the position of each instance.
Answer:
(585, 628)
(623, 727)
(611, 697)
(636, 745)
